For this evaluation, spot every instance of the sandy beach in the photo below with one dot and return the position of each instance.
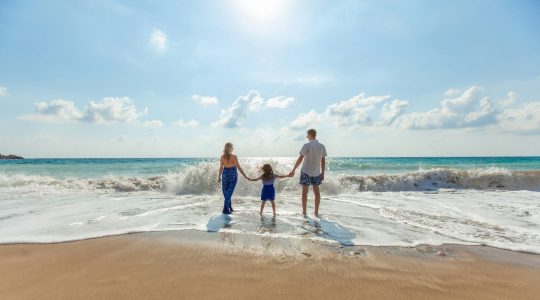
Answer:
(175, 265)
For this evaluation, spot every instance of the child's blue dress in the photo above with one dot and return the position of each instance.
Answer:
(268, 191)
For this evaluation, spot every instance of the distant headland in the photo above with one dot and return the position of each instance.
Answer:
(10, 156)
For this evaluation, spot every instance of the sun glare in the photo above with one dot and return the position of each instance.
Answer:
(260, 10)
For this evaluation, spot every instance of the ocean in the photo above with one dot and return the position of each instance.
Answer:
(492, 201)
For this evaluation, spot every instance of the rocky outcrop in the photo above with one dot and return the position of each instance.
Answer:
(10, 156)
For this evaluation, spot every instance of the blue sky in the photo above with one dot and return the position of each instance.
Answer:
(376, 78)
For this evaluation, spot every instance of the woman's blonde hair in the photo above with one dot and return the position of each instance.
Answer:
(227, 150)
(266, 171)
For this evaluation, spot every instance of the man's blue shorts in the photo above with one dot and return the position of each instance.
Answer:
(305, 179)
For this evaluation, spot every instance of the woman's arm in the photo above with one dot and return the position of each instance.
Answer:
(240, 169)
(220, 169)
(254, 179)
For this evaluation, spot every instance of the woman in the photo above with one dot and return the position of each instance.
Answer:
(227, 167)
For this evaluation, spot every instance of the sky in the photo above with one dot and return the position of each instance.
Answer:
(181, 78)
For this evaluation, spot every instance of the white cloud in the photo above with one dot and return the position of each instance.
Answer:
(153, 124)
(205, 100)
(279, 102)
(484, 115)
(3, 91)
(452, 92)
(234, 115)
(254, 100)
(56, 111)
(354, 111)
(307, 120)
(158, 40)
(469, 109)
(391, 111)
(112, 109)
(510, 99)
(122, 138)
(462, 103)
(109, 110)
(183, 123)
(524, 119)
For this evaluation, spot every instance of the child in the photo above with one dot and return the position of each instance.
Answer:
(268, 192)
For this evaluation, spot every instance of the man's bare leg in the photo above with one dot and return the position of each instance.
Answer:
(304, 199)
(317, 193)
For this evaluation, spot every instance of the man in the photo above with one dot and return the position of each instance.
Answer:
(313, 155)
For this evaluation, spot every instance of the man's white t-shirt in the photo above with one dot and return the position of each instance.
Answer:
(313, 153)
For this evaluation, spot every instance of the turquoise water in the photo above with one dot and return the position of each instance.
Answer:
(365, 201)
(101, 167)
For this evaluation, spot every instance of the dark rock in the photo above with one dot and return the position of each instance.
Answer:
(10, 156)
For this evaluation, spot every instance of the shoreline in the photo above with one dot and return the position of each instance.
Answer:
(192, 264)
(327, 243)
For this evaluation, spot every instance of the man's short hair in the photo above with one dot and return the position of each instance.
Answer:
(312, 132)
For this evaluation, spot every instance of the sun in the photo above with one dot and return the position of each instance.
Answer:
(260, 10)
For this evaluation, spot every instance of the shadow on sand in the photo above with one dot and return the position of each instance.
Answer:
(217, 222)
(268, 225)
(332, 230)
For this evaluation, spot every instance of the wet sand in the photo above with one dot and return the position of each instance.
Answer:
(183, 265)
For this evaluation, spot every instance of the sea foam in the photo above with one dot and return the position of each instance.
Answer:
(203, 179)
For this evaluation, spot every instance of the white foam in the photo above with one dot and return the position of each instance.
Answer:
(505, 219)
(492, 206)
(201, 179)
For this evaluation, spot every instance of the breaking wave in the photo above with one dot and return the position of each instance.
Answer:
(203, 179)
(478, 179)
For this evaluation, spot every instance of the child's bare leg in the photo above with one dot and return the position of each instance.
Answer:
(273, 207)
(262, 207)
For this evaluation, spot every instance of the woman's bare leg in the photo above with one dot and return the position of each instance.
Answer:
(273, 207)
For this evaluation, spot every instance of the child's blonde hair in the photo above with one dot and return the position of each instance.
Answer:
(266, 171)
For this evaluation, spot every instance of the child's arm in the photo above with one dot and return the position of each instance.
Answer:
(283, 176)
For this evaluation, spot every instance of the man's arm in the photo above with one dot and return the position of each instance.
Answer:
(298, 162)
(323, 165)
